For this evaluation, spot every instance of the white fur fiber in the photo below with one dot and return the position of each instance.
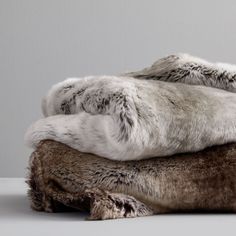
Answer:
(140, 115)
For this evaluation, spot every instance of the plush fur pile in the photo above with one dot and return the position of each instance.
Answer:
(156, 112)
(64, 179)
(125, 118)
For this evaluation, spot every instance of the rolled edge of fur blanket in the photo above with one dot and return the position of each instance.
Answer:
(63, 179)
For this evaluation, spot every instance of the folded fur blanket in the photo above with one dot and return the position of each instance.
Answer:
(132, 118)
(128, 118)
(62, 179)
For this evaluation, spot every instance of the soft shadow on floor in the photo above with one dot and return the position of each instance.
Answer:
(18, 207)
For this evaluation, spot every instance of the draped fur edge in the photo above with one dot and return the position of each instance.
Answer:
(64, 179)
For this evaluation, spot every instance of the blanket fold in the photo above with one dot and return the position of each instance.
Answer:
(63, 179)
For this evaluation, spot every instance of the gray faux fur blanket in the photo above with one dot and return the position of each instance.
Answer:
(64, 179)
(155, 112)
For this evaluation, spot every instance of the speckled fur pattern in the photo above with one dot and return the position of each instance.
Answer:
(132, 118)
(62, 179)
(184, 68)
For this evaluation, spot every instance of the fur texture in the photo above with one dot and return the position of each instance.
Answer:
(63, 179)
(187, 69)
(126, 118)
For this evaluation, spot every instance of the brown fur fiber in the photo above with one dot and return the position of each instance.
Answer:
(63, 179)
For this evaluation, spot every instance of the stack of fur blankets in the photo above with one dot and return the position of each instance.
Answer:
(155, 141)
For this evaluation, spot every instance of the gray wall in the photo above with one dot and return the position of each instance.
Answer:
(45, 41)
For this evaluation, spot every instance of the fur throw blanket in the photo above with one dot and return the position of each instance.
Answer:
(63, 179)
(132, 118)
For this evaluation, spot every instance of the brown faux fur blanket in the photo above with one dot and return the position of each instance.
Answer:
(62, 179)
